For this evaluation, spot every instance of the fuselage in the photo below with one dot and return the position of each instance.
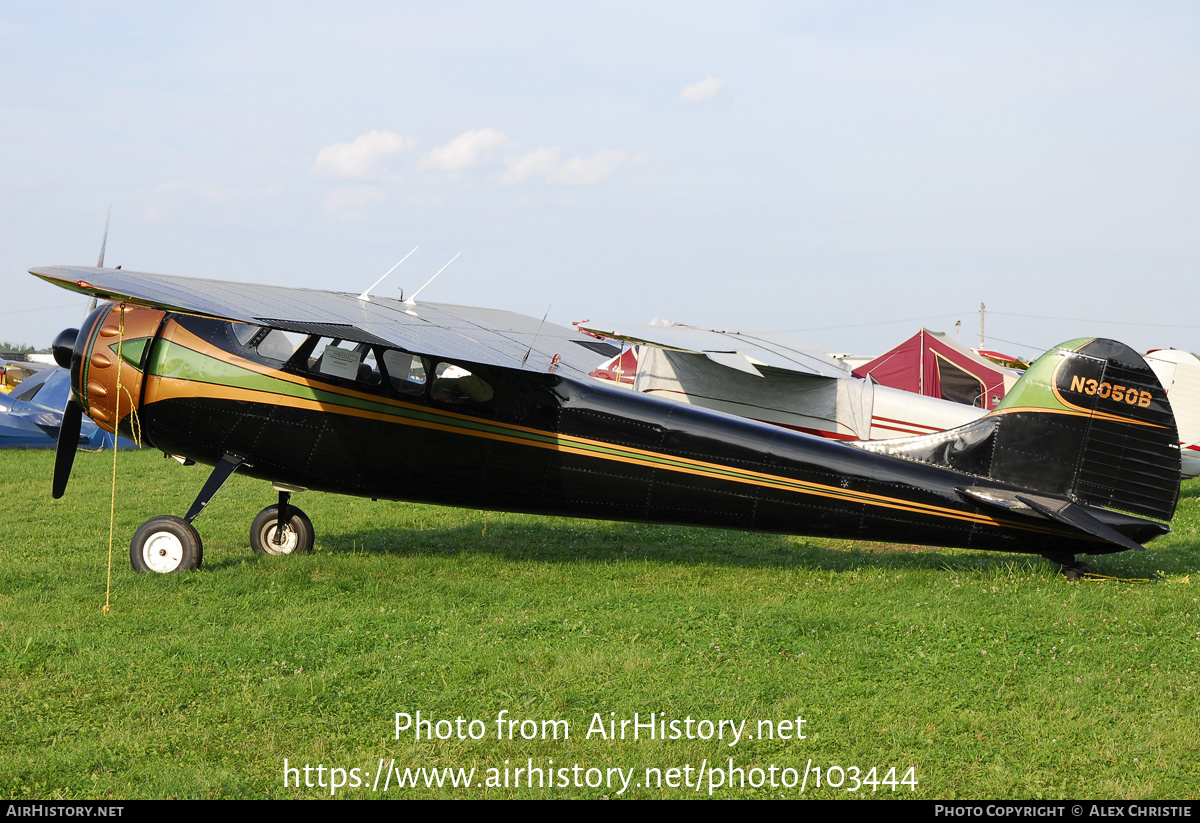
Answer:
(372, 421)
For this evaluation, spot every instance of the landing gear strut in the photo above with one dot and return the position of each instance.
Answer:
(169, 544)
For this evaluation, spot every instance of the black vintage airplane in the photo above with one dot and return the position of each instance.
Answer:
(479, 408)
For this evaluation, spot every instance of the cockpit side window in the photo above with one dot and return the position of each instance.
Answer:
(336, 358)
(368, 369)
(345, 359)
(280, 345)
(243, 332)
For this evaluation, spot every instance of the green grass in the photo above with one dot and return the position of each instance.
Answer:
(988, 673)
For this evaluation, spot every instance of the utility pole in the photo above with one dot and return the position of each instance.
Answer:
(981, 310)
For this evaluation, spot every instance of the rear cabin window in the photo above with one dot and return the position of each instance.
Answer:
(454, 384)
(405, 371)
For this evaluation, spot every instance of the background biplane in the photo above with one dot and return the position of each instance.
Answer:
(488, 409)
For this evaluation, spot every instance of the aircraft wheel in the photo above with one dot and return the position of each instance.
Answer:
(1076, 572)
(165, 545)
(298, 534)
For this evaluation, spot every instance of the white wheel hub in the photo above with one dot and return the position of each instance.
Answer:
(286, 546)
(162, 552)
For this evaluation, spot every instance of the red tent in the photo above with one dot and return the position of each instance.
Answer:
(931, 364)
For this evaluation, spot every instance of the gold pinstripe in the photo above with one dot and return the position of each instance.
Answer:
(165, 388)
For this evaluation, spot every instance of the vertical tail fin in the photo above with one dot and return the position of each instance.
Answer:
(1088, 421)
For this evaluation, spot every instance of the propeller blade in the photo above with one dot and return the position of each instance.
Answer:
(100, 262)
(104, 242)
(68, 442)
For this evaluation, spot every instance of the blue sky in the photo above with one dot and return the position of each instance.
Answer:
(845, 171)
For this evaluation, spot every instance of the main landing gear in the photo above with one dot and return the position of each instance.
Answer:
(168, 544)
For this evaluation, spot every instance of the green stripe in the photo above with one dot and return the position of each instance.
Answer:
(174, 360)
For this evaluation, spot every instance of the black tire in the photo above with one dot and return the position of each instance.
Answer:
(298, 533)
(165, 545)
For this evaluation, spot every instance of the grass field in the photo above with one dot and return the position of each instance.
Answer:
(977, 675)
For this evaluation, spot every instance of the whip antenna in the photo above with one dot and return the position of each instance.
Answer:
(535, 337)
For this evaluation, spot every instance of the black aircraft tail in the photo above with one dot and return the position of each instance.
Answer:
(1087, 429)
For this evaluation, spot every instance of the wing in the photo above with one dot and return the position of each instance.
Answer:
(478, 335)
(745, 351)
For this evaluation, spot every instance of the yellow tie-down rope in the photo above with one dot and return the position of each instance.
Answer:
(1095, 577)
(137, 438)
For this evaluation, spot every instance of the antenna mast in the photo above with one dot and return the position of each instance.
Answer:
(366, 295)
(412, 301)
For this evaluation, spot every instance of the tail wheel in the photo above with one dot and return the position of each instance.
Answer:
(297, 537)
(165, 545)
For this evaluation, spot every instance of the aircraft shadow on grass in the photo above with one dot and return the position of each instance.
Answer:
(602, 543)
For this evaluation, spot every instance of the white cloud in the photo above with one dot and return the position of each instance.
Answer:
(463, 150)
(540, 163)
(578, 171)
(706, 89)
(363, 157)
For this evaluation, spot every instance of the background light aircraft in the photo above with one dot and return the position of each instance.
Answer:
(778, 379)
(1179, 373)
(488, 409)
(30, 415)
(775, 378)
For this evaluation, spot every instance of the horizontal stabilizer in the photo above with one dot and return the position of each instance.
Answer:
(1072, 514)
(1081, 518)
